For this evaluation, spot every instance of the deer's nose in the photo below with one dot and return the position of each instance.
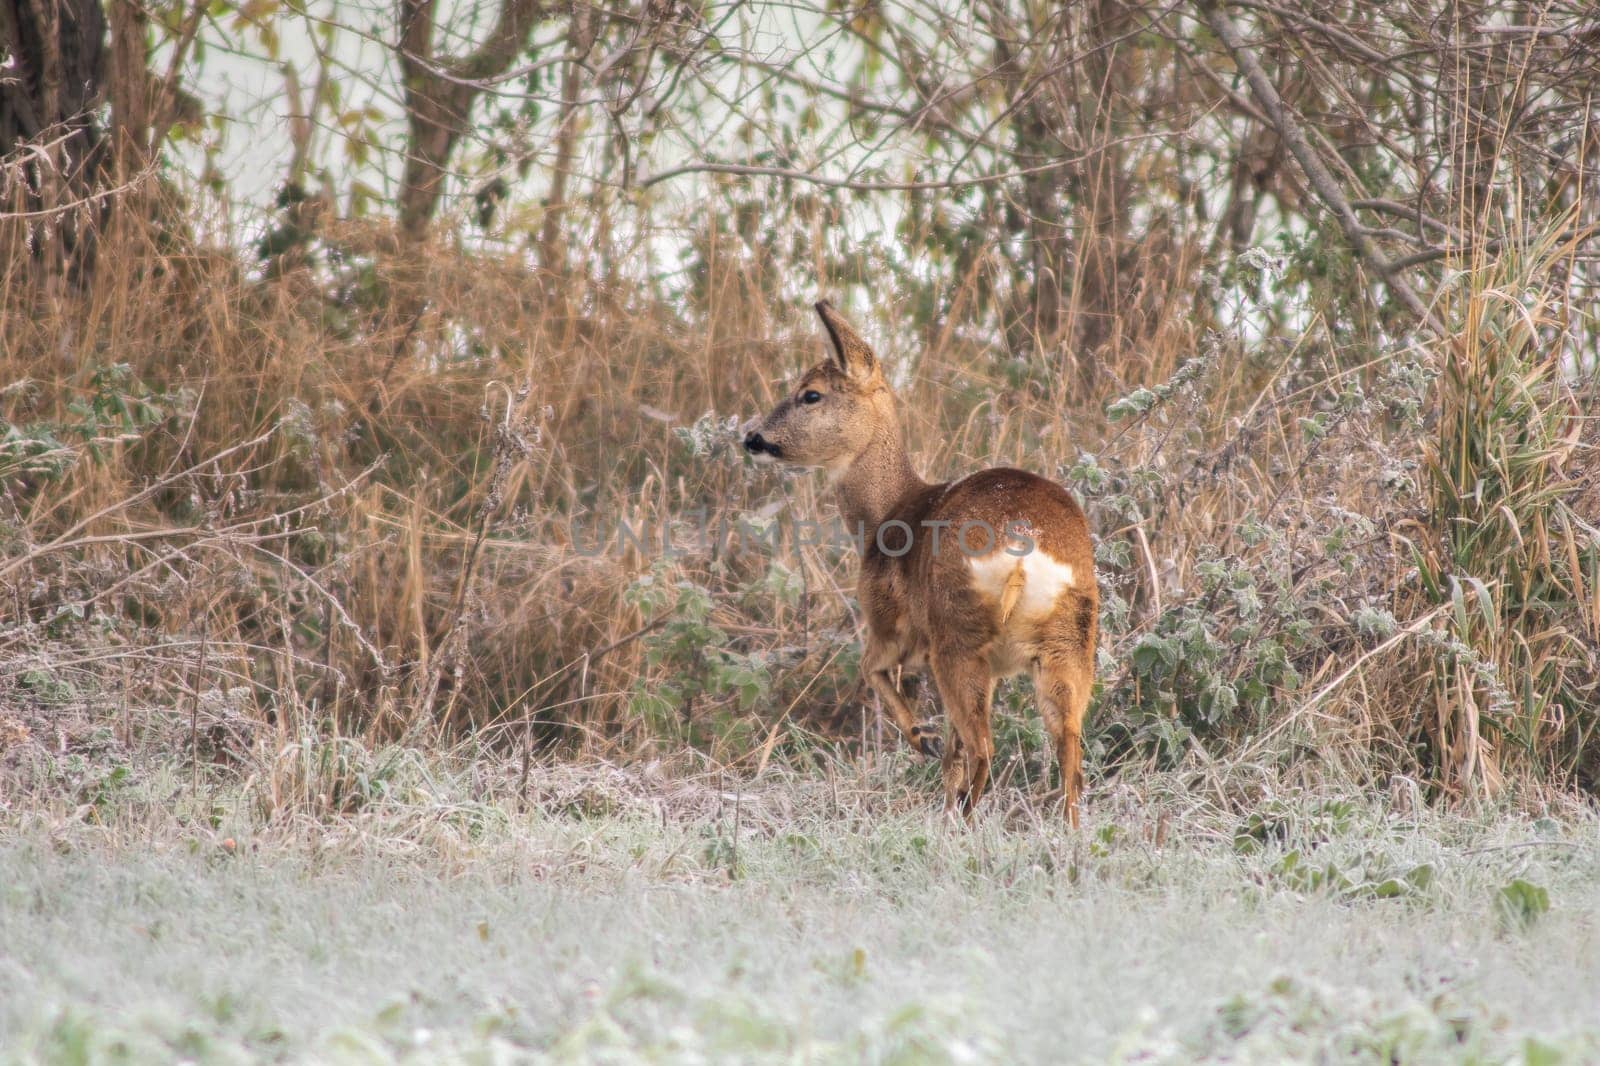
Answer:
(756, 444)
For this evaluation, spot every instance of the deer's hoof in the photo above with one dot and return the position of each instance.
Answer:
(928, 741)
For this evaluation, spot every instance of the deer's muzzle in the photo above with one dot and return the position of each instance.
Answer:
(756, 444)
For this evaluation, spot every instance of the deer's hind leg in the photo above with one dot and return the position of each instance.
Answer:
(965, 689)
(1063, 677)
(880, 664)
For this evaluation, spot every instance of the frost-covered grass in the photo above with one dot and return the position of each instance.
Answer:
(618, 919)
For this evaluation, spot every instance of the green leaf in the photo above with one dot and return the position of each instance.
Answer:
(1521, 903)
(1485, 603)
(1537, 1053)
(1421, 877)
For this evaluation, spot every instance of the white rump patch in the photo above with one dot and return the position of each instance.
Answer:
(1043, 579)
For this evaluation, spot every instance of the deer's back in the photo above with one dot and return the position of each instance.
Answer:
(1000, 559)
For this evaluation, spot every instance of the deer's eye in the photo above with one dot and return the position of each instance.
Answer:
(811, 396)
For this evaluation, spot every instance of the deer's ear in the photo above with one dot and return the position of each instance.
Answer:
(849, 350)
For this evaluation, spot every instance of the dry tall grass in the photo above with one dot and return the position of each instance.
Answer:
(335, 495)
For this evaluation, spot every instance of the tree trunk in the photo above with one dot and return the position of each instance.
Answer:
(1102, 215)
(59, 170)
(51, 152)
(580, 37)
(439, 94)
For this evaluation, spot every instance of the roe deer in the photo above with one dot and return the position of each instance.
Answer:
(975, 579)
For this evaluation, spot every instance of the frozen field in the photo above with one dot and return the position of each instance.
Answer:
(795, 922)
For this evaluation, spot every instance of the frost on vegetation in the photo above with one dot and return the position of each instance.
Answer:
(653, 1018)
(1375, 622)
(1300, 1019)
(1404, 384)
(298, 424)
(1260, 262)
(1181, 384)
(705, 663)
(709, 435)
(1306, 929)
(1214, 627)
(115, 408)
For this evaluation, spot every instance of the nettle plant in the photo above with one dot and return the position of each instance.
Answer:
(698, 680)
(1219, 656)
(114, 408)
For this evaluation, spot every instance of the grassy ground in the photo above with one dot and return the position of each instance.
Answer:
(825, 915)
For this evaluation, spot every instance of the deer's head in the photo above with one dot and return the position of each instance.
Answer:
(833, 411)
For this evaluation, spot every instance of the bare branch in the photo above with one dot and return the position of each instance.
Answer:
(1316, 172)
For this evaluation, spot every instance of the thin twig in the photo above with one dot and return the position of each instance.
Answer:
(1316, 172)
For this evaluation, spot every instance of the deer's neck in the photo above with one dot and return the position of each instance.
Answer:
(872, 487)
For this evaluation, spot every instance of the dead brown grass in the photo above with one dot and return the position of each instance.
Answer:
(347, 511)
